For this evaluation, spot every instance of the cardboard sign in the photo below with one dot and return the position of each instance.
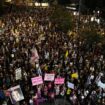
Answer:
(37, 80)
(18, 74)
(70, 85)
(59, 81)
(16, 94)
(49, 77)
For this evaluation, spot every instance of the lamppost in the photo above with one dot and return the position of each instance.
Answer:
(79, 15)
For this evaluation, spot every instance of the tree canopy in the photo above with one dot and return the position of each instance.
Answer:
(62, 18)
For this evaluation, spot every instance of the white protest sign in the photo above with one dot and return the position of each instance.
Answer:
(16, 94)
(100, 84)
(70, 85)
(49, 77)
(18, 74)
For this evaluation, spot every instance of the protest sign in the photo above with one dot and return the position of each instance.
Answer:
(59, 81)
(18, 74)
(74, 75)
(100, 84)
(37, 80)
(49, 77)
(16, 94)
(70, 85)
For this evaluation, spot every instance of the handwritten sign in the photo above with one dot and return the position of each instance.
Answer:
(59, 81)
(49, 77)
(37, 80)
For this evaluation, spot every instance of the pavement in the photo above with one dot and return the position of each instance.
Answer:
(57, 102)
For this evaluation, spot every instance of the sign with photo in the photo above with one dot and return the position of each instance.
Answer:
(16, 94)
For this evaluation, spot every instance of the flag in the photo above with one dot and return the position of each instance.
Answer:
(35, 57)
(68, 91)
(66, 54)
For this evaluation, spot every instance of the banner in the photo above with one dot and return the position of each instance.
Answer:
(49, 77)
(59, 81)
(37, 80)
(16, 94)
(70, 85)
(18, 74)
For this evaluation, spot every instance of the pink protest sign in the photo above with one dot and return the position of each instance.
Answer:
(59, 81)
(37, 80)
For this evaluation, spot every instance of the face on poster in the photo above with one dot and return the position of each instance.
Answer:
(16, 94)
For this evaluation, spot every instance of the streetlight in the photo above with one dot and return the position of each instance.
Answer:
(79, 14)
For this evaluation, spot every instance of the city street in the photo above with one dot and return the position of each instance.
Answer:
(57, 102)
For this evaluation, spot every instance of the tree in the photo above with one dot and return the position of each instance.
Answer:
(91, 34)
(62, 18)
(91, 37)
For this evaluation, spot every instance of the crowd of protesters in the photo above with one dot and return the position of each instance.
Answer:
(58, 53)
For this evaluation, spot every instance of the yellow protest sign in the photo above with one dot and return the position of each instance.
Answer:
(74, 75)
